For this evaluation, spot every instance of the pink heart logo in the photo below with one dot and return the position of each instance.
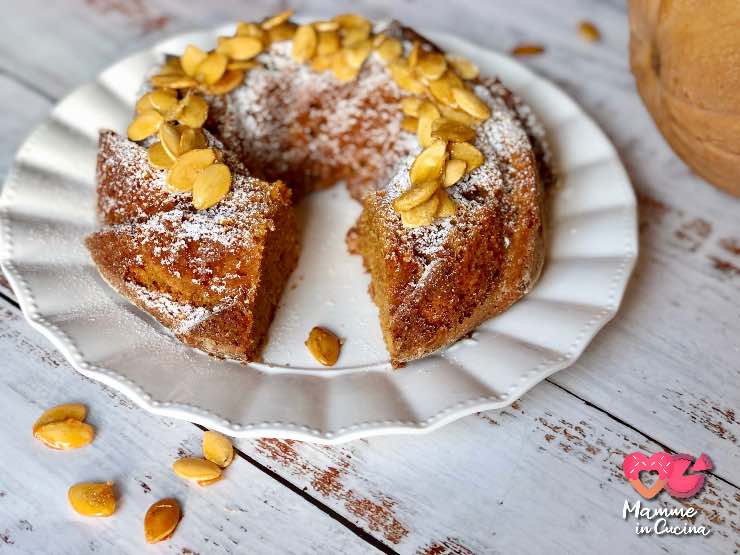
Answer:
(636, 462)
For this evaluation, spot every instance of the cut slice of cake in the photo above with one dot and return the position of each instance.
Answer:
(213, 276)
(436, 283)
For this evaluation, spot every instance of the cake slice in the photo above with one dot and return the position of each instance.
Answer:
(436, 283)
(214, 276)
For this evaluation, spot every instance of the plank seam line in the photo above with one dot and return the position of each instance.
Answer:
(38, 91)
(633, 428)
(344, 521)
(10, 300)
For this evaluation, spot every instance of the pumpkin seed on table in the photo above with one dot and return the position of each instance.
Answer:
(589, 31)
(92, 499)
(161, 519)
(65, 434)
(218, 448)
(75, 411)
(195, 469)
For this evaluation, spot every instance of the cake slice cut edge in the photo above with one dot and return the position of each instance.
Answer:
(214, 277)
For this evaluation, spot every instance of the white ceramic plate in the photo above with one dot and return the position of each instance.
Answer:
(47, 208)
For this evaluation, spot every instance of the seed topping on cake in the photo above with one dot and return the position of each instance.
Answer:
(440, 106)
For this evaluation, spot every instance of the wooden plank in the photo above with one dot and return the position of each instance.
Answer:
(29, 108)
(26, 109)
(247, 511)
(56, 47)
(549, 464)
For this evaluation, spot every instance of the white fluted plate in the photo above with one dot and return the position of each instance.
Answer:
(48, 206)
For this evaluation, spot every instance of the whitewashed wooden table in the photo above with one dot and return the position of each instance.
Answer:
(543, 476)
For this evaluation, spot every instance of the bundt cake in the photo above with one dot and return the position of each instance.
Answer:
(198, 224)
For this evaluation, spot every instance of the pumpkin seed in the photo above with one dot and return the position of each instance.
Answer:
(161, 519)
(211, 185)
(454, 170)
(323, 345)
(218, 449)
(74, 411)
(472, 157)
(195, 469)
(415, 195)
(187, 167)
(92, 499)
(145, 124)
(65, 434)
(470, 103)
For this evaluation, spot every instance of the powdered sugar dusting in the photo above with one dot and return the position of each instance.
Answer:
(288, 121)
(184, 315)
(499, 138)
